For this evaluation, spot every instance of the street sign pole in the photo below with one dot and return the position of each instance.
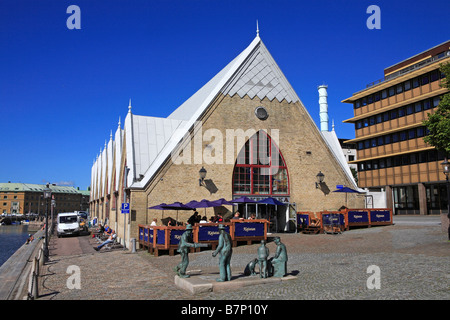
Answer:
(125, 210)
(124, 227)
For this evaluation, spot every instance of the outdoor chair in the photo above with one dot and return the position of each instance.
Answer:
(113, 244)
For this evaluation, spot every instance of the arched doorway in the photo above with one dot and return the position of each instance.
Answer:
(260, 172)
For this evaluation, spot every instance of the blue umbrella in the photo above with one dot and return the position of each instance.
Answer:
(200, 204)
(193, 204)
(221, 202)
(159, 206)
(272, 201)
(243, 199)
(205, 204)
(176, 206)
(346, 190)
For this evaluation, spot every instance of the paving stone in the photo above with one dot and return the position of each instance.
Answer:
(413, 259)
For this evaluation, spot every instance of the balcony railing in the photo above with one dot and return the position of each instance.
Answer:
(409, 69)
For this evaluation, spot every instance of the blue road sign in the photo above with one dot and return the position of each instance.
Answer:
(125, 208)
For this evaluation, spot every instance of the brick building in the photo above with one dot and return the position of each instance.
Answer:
(24, 198)
(389, 133)
(246, 127)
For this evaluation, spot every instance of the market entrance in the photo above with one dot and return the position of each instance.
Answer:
(260, 172)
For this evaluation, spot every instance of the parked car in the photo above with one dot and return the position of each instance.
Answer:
(84, 220)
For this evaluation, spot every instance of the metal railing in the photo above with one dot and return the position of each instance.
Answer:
(408, 69)
(37, 263)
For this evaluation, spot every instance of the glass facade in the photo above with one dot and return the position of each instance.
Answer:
(260, 168)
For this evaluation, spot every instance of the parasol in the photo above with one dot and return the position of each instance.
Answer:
(176, 206)
(346, 190)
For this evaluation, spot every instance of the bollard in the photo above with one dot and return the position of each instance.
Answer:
(133, 245)
(35, 291)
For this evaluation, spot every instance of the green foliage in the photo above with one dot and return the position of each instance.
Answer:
(438, 123)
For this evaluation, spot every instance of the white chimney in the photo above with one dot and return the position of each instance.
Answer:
(323, 96)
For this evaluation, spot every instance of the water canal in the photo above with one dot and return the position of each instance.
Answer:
(12, 237)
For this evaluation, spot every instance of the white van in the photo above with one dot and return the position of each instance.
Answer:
(68, 223)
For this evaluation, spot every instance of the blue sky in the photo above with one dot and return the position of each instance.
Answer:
(62, 91)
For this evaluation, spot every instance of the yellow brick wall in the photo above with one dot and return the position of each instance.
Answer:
(300, 143)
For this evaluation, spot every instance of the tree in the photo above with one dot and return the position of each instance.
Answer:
(438, 123)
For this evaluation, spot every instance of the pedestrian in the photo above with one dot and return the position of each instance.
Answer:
(110, 239)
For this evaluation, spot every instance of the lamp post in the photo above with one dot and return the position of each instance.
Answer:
(320, 176)
(47, 195)
(446, 170)
(202, 174)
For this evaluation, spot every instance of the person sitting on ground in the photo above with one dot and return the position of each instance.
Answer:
(30, 238)
(110, 239)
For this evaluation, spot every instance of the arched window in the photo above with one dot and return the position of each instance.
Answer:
(260, 168)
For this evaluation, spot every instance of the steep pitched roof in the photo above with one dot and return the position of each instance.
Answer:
(253, 72)
(148, 137)
(332, 141)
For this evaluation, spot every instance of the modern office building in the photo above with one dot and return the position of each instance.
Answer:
(389, 131)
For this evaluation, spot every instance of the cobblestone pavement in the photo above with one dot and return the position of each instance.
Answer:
(413, 260)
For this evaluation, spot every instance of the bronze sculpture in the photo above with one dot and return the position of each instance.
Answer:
(263, 255)
(184, 246)
(279, 261)
(275, 266)
(224, 249)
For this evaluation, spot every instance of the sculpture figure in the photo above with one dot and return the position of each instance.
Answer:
(250, 268)
(263, 255)
(184, 246)
(279, 260)
(224, 249)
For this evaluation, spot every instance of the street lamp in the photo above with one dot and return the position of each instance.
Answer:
(47, 195)
(320, 176)
(202, 174)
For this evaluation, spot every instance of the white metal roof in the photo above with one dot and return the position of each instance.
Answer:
(332, 141)
(246, 74)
